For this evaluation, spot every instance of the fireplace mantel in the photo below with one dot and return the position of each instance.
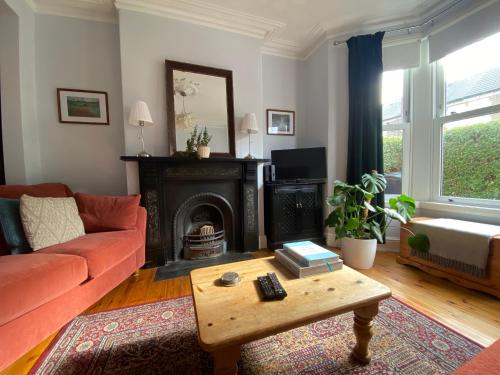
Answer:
(178, 159)
(167, 182)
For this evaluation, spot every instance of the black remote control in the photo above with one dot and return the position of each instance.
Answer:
(278, 288)
(266, 288)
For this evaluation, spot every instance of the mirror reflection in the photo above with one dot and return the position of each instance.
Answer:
(200, 100)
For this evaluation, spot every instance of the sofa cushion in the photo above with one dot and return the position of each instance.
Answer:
(49, 221)
(28, 281)
(101, 250)
(12, 228)
(40, 190)
(54, 190)
(107, 213)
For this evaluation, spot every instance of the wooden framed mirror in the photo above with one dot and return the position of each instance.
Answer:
(200, 96)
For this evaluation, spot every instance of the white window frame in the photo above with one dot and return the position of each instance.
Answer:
(439, 119)
(405, 126)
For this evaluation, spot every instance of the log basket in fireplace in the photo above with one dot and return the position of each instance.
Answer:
(206, 243)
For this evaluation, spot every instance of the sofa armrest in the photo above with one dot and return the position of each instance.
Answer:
(141, 221)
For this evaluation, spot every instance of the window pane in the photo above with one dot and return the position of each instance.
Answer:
(471, 158)
(393, 160)
(472, 76)
(392, 97)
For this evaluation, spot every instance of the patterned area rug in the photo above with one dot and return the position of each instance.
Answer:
(160, 338)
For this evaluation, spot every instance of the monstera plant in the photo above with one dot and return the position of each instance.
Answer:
(359, 223)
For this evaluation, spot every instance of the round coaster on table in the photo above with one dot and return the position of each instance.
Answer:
(230, 279)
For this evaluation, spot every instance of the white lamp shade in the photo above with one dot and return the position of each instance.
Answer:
(140, 112)
(249, 124)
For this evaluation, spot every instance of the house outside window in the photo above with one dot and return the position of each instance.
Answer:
(467, 125)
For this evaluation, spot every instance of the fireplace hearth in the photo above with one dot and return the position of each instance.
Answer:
(198, 209)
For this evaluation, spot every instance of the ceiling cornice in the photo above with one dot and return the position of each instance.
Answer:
(93, 10)
(205, 14)
(222, 18)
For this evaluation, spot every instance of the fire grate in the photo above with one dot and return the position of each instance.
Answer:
(206, 243)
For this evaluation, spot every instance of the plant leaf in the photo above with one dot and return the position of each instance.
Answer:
(336, 200)
(369, 206)
(376, 232)
(404, 205)
(419, 242)
(374, 182)
(393, 214)
(352, 223)
(334, 218)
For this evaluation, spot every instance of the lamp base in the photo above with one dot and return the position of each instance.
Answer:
(249, 156)
(143, 154)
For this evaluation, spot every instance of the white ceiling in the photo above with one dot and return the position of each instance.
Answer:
(300, 16)
(288, 27)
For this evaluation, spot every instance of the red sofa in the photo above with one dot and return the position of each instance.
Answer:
(42, 291)
(485, 363)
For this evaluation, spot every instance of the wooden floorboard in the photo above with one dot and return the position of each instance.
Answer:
(474, 314)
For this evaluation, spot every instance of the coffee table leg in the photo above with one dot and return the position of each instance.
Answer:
(363, 332)
(226, 361)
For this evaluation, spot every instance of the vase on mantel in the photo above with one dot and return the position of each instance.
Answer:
(203, 152)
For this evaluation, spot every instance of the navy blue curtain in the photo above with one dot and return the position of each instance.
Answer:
(365, 108)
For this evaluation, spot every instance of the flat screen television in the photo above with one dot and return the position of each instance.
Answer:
(300, 164)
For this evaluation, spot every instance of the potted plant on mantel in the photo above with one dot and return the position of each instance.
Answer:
(197, 144)
(202, 144)
(358, 223)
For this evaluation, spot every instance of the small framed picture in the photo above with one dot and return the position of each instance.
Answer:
(83, 107)
(280, 122)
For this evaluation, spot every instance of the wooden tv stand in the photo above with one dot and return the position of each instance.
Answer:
(490, 284)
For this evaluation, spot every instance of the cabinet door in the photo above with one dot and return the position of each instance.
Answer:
(286, 213)
(310, 215)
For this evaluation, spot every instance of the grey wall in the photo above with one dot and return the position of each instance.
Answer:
(79, 54)
(281, 89)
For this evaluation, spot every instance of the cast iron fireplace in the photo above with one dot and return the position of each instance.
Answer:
(190, 201)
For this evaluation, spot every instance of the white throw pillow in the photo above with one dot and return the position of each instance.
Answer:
(50, 221)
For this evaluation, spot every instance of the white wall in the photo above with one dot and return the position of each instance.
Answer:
(146, 41)
(11, 96)
(79, 54)
(326, 101)
(281, 85)
(314, 132)
(22, 153)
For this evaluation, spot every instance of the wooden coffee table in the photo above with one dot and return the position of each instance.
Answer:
(228, 317)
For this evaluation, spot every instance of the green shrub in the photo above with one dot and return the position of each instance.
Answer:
(471, 156)
(393, 155)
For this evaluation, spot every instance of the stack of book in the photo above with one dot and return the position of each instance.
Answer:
(306, 258)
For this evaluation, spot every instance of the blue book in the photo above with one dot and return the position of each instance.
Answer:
(309, 254)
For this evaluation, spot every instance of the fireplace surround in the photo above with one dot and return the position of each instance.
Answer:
(181, 195)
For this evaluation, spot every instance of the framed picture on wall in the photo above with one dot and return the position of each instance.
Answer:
(83, 107)
(280, 122)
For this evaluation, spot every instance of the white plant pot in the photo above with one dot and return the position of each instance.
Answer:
(358, 253)
(203, 152)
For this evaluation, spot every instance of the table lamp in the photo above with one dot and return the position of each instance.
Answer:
(249, 126)
(140, 117)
